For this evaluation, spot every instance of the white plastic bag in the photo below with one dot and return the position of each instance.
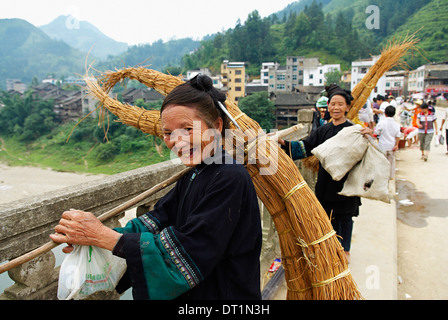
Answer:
(370, 177)
(89, 269)
(339, 154)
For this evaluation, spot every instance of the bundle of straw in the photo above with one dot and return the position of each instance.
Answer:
(390, 57)
(314, 261)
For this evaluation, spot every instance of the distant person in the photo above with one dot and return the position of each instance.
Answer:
(426, 122)
(445, 120)
(388, 132)
(381, 100)
(410, 134)
(392, 102)
(375, 106)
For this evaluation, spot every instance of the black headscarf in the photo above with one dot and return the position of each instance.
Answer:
(334, 89)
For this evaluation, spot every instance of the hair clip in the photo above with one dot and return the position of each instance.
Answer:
(223, 108)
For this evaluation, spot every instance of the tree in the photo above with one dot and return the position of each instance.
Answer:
(260, 108)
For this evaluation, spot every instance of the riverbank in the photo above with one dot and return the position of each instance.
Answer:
(20, 182)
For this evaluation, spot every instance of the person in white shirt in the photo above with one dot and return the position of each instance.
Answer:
(392, 102)
(388, 132)
(381, 100)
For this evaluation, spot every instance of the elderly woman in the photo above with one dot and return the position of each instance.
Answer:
(203, 239)
(339, 208)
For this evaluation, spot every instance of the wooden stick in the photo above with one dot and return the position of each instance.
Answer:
(105, 216)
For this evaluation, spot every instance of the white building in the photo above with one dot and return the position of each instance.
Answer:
(360, 69)
(264, 72)
(298, 72)
(416, 80)
(316, 76)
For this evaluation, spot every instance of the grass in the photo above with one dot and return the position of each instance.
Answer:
(73, 157)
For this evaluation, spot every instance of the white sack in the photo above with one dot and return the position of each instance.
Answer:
(370, 177)
(339, 154)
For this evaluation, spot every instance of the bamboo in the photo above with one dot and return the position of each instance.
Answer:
(103, 217)
(314, 261)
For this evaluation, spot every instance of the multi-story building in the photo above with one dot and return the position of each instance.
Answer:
(429, 79)
(416, 80)
(360, 69)
(298, 72)
(264, 72)
(233, 79)
(397, 83)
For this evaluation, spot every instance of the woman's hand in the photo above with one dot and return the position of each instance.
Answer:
(280, 141)
(366, 132)
(83, 228)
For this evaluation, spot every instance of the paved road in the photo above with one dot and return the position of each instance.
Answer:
(422, 224)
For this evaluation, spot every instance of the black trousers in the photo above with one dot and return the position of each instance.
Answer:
(343, 225)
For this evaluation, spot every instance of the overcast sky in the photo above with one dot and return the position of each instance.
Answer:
(144, 21)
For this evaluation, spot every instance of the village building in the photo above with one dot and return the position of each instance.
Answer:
(429, 79)
(233, 79)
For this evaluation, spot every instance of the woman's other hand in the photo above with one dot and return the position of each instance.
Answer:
(366, 132)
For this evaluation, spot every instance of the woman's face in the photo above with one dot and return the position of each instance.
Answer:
(186, 134)
(338, 107)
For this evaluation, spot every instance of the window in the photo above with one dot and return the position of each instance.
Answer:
(281, 77)
(364, 70)
(294, 68)
(387, 84)
(294, 77)
(238, 89)
(238, 80)
(280, 87)
(238, 72)
(311, 76)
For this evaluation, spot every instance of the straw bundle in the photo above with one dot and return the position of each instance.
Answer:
(314, 261)
(390, 57)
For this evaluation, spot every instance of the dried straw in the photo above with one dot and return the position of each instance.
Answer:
(314, 261)
(390, 57)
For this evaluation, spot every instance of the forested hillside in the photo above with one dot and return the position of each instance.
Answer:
(335, 31)
(27, 52)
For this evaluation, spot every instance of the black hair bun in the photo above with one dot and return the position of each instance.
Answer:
(202, 82)
(205, 83)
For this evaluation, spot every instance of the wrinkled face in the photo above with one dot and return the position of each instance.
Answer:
(338, 107)
(187, 134)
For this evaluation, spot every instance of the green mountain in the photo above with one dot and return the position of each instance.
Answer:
(336, 31)
(157, 55)
(431, 23)
(27, 51)
(83, 36)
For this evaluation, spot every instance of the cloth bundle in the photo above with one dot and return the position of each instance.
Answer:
(368, 169)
